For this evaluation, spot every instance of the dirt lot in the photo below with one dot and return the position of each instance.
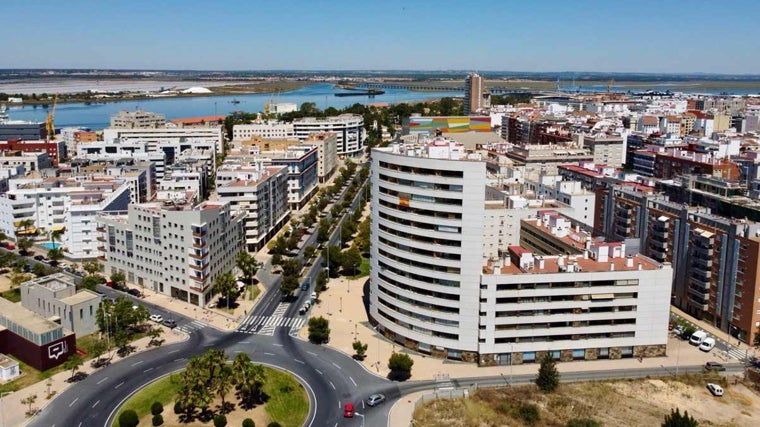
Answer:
(611, 403)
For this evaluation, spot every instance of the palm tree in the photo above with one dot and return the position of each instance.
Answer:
(24, 244)
(56, 234)
(55, 255)
(23, 226)
(223, 383)
(3, 236)
(225, 285)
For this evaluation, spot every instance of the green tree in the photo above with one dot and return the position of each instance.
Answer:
(319, 330)
(323, 231)
(39, 270)
(225, 285)
(321, 281)
(362, 238)
(118, 279)
(248, 423)
(154, 333)
(73, 363)
(248, 378)
(247, 265)
(17, 278)
(55, 254)
(157, 420)
(128, 418)
(676, 419)
(400, 365)
(24, 244)
(156, 408)
(548, 376)
(280, 245)
(3, 236)
(98, 349)
(29, 400)
(293, 240)
(220, 420)
(309, 252)
(92, 267)
(360, 350)
(90, 282)
(334, 259)
(351, 260)
(55, 235)
(289, 284)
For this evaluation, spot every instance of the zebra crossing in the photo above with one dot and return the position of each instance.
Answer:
(189, 328)
(266, 325)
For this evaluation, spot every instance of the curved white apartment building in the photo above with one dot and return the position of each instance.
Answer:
(436, 290)
(349, 129)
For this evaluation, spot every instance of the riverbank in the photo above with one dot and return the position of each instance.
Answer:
(217, 89)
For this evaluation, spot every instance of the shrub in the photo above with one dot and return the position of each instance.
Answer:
(529, 413)
(156, 408)
(583, 422)
(248, 423)
(548, 376)
(128, 418)
(220, 420)
(178, 408)
(676, 419)
(319, 330)
(400, 365)
(274, 424)
(157, 419)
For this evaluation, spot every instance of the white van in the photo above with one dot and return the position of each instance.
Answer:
(697, 337)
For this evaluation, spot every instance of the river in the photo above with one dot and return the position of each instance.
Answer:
(97, 116)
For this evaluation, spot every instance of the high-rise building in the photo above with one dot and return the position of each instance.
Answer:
(137, 120)
(437, 287)
(473, 93)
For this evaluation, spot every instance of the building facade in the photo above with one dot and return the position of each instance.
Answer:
(137, 119)
(434, 290)
(56, 297)
(175, 248)
(348, 129)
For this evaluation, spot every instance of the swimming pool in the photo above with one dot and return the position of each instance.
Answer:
(50, 245)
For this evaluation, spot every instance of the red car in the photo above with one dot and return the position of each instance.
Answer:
(348, 410)
(10, 247)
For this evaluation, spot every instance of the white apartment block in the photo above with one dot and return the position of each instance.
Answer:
(264, 129)
(171, 140)
(262, 192)
(10, 172)
(55, 297)
(581, 201)
(434, 290)
(349, 130)
(175, 248)
(607, 148)
(327, 152)
(137, 120)
(184, 181)
(30, 161)
(63, 204)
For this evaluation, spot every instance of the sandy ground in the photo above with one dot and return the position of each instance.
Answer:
(617, 403)
(235, 418)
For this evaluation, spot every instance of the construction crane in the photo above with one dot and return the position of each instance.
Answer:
(49, 126)
(609, 85)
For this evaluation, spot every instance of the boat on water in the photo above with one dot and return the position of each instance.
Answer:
(235, 101)
(359, 92)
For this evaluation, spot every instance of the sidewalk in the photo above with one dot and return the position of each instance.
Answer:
(712, 330)
(14, 412)
(215, 317)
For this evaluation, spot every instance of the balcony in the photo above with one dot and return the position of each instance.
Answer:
(194, 255)
(199, 244)
(199, 233)
(100, 239)
(102, 248)
(100, 229)
(199, 278)
(103, 258)
(197, 267)
(700, 281)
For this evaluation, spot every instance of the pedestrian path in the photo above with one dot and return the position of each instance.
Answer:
(191, 327)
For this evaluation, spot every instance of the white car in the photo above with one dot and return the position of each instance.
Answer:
(376, 399)
(707, 344)
(715, 389)
(157, 318)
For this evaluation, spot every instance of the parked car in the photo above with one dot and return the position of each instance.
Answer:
(376, 399)
(348, 410)
(314, 295)
(170, 323)
(157, 318)
(39, 257)
(134, 292)
(678, 330)
(715, 389)
(10, 247)
(714, 366)
(707, 344)
(305, 286)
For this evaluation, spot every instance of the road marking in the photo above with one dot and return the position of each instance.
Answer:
(336, 365)
(80, 424)
(332, 385)
(312, 353)
(318, 371)
(101, 381)
(148, 370)
(299, 361)
(181, 358)
(137, 363)
(245, 342)
(352, 380)
(278, 345)
(95, 404)
(269, 354)
(173, 351)
(118, 385)
(73, 402)
(339, 404)
(363, 404)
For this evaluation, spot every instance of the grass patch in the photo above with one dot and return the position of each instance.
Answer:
(254, 292)
(363, 269)
(12, 295)
(288, 403)
(162, 391)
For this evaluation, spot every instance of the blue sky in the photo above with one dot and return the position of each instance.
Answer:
(611, 35)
